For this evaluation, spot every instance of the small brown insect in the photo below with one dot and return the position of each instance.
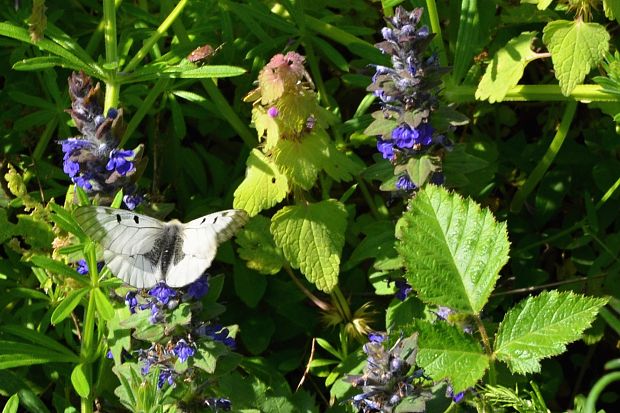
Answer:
(203, 53)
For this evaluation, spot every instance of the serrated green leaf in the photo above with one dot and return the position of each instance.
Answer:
(575, 46)
(612, 9)
(452, 249)
(79, 380)
(542, 326)
(257, 247)
(300, 160)
(506, 68)
(446, 352)
(338, 165)
(263, 187)
(311, 237)
(68, 304)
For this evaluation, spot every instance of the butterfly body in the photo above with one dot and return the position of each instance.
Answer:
(143, 251)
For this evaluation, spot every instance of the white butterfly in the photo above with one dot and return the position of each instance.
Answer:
(143, 251)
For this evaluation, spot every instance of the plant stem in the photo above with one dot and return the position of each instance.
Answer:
(545, 162)
(317, 301)
(342, 302)
(148, 44)
(431, 8)
(112, 90)
(487, 348)
(545, 93)
(597, 389)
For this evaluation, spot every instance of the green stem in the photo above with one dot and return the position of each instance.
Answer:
(148, 44)
(431, 9)
(317, 301)
(597, 389)
(367, 197)
(228, 113)
(545, 162)
(112, 90)
(157, 89)
(545, 93)
(608, 194)
(487, 348)
(343, 304)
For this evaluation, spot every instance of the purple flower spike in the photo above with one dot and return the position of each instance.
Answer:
(198, 288)
(386, 148)
(183, 350)
(131, 301)
(120, 161)
(404, 184)
(162, 293)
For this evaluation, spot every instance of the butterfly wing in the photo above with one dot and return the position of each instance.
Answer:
(128, 240)
(200, 239)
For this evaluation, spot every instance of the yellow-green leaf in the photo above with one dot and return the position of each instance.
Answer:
(575, 46)
(263, 187)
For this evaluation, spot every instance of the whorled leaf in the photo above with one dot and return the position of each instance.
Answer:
(452, 249)
(542, 326)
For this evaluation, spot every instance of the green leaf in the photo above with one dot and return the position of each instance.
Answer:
(506, 68)
(452, 249)
(263, 187)
(80, 381)
(57, 267)
(256, 332)
(469, 31)
(542, 326)
(64, 220)
(311, 237)
(39, 63)
(300, 160)
(420, 169)
(250, 286)
(17, 354)
(106, 310)
(381, 126)
(12, 404)
(68, 304)
(612, 9)
(445, 352)
(207, 354)
(36, 338)
(257, 247)
(575, 46)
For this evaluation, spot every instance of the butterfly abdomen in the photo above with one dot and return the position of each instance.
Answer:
(167, 249)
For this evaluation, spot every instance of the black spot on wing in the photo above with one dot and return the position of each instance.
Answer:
(118, 218)
(136, 219)
(203, 221)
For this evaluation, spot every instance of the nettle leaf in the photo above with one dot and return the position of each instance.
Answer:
(263, 187)
(506, 68)
(452, 249)
(299, 160)
(575, 46)
(311, 237)
(265, 126)
(612, 9)
(257, 248)
(446, 352)
(542, 326)
(338, 165)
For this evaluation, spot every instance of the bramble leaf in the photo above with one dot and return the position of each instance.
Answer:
(542, 326)
(311, 237)
(452, 249)
(445, 352)
(506, 68)
(257, 248)
(575, 46)
(263, 187)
